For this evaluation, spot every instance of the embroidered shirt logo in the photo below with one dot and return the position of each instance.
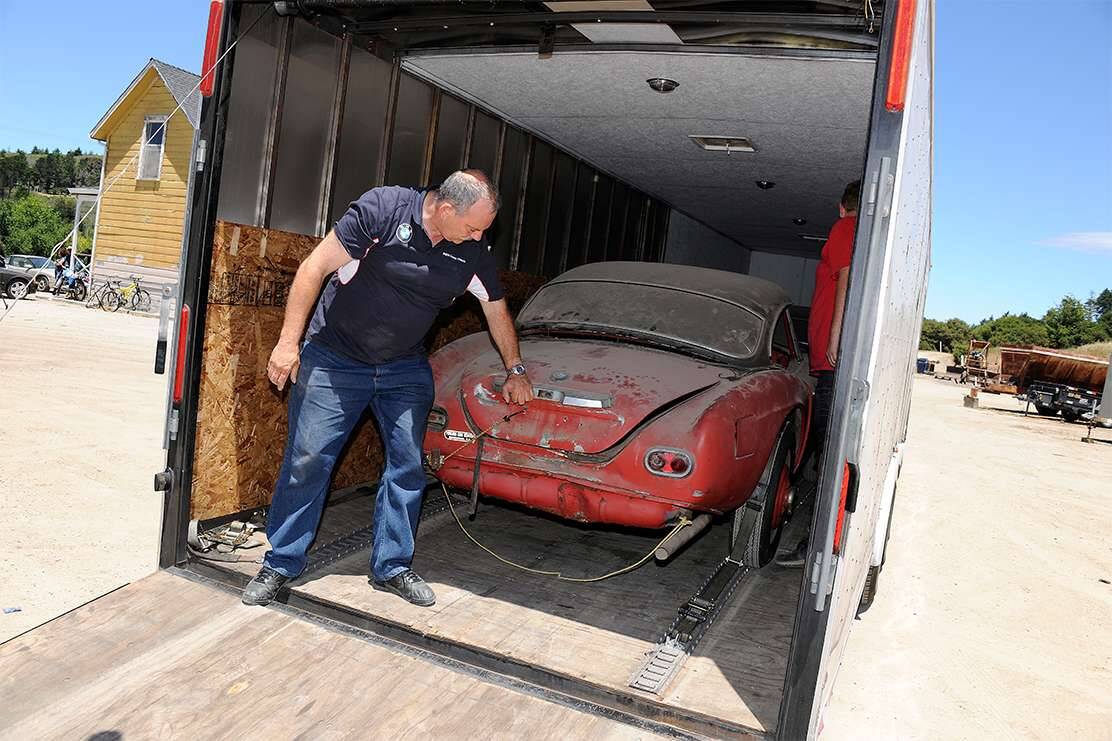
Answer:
(453, 257)
(404, 233)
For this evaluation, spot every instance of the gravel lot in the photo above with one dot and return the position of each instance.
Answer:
(81, 418)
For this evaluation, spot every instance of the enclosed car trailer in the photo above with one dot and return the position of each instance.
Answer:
(718, 134)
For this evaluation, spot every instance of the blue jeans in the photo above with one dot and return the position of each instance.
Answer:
(330, 395)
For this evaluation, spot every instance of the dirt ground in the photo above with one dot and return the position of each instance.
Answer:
(993, 615)
(81, 419)
(991, 621)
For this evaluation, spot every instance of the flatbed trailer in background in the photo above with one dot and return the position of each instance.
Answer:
(1054, 381)
(775, 107)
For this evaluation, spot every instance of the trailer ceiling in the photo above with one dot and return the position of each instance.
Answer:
(793, 77)
(807, 120)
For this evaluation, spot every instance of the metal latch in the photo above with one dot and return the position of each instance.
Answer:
(164, 480)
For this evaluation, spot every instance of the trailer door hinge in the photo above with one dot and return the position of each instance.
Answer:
(172, 423)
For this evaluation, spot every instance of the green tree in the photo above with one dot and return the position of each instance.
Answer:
(14, 172)
(1012, 330)
(1069, 324)
(49, 171)
(1100, 305)
(31, 226)
(88, 172)
(954, 335)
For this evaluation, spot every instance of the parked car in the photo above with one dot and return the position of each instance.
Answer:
(661, 391)
(15, 282)
(41, 269)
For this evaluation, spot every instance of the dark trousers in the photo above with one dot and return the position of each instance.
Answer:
(820, 415)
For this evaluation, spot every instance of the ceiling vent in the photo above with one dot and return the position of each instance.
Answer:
(727, 144)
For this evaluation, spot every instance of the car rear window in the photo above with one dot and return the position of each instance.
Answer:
(674, 316)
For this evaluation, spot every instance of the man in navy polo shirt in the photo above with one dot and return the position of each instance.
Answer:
(397, 257)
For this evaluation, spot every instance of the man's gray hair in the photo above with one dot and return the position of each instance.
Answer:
(464, 188)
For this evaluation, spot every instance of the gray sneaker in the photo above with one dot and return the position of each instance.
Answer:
(264, 587)
(409, 587)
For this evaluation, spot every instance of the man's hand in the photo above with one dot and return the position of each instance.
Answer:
(284, 362)
(517, 390)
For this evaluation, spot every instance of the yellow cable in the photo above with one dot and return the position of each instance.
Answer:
(684, 522)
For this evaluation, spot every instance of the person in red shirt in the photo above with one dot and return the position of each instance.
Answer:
(824, 331)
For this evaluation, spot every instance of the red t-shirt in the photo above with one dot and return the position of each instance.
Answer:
(836, 256)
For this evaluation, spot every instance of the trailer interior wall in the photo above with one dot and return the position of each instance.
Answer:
(692, 243)
(794, 273)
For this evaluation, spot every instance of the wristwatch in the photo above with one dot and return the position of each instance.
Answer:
(517, 370)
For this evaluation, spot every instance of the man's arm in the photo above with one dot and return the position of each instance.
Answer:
(325, 259)
(836, 321)
(518, 389)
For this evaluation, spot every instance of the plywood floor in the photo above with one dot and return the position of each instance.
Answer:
(169, 658)
(598, 632)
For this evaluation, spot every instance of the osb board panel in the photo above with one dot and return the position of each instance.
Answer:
(241, 424)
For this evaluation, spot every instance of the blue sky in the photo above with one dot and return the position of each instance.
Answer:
(1023, 128)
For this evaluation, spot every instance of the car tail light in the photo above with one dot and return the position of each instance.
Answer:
(438, 419)
(212, 46)
(179, 364)
(665, 462)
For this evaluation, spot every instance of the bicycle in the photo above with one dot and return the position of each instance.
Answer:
(96, 296)
(132, 295)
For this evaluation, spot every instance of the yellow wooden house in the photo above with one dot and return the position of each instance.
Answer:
(145, 175)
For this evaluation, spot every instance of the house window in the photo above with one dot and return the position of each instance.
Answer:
(150, 153)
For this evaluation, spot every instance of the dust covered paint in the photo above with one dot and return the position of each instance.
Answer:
(580, 449)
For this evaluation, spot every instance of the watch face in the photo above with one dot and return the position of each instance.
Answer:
(518, 370)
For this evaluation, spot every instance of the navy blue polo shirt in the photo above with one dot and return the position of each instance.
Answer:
(380, 306)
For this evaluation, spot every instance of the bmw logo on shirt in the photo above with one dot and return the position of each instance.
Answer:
(405, 232)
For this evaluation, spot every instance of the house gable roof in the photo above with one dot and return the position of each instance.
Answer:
(181, 83)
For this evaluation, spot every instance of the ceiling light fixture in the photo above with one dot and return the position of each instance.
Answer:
(765, 184)
(662, 84)
(799, 221)
(727, 144)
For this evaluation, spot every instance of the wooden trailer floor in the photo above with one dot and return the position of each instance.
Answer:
(166, 657)
(597, 632)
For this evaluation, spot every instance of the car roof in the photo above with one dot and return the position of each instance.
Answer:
(760, 296)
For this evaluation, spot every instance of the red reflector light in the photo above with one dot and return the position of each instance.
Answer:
(212, 46)
(179, 363)
(901, 56)
(679, 464)
(846, 473)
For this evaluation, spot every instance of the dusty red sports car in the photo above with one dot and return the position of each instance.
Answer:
(661, 391)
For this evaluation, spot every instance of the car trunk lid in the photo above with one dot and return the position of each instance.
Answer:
(590, 394)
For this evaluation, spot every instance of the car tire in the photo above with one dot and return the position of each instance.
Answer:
(110, 301)
(1045, 411)
(42, 285)
(758, 546)
(16, 289)
(1071, 416)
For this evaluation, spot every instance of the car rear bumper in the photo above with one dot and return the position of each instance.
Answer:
(566, 495)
